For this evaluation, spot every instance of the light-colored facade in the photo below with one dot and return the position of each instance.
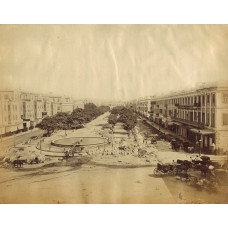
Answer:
(61, 104)
(10, 112)
(200, 115)
(22, 110)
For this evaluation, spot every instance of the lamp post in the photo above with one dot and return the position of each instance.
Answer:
(200, 147)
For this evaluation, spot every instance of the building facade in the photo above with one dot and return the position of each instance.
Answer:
(199, 115)
(11, 112)
(20, 111)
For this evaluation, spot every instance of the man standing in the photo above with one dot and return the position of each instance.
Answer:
(213, 148)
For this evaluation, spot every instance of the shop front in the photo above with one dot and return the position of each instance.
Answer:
(205, 138)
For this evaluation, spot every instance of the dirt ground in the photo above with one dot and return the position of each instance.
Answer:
(98, 178)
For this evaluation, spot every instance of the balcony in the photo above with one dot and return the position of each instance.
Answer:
(197, 104)
(191, 107)
(192, 123)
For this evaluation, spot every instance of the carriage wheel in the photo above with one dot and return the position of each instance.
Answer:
(156, 172)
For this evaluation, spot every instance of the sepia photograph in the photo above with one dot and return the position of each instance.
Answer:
(114, 114)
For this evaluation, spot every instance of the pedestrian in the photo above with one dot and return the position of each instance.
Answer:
(180, 196)
(213, 148)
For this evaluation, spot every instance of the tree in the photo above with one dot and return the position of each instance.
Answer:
(123, 115)
(48, 124)
(112, 119)
(64, 121)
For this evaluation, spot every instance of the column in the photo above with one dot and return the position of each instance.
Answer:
(210, 111)
(205, 102)
(193, 114)
(201, 108)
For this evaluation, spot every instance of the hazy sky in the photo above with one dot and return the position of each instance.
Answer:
(111, 61)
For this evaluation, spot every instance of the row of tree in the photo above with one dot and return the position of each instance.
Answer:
(74, 120)
(123, 115)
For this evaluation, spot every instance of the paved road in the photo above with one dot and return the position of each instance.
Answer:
(17, 139)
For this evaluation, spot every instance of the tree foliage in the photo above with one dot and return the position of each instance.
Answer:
(112, 119)
(123, 115)
(48, 124)
(75, 120)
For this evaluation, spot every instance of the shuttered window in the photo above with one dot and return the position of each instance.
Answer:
(225, 98)
(225, 119)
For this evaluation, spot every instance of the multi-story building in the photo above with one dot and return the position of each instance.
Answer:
(61, 104)
(10, 112)
(143, 106)
(47, 106)
(22, 110)
(200, 115)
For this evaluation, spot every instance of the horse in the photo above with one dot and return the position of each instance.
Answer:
(18, 163)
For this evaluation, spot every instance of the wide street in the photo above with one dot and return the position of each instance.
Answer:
(17, 139)
(98, 180)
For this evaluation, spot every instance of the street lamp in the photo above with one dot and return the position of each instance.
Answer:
(199, 144)
(200, 147)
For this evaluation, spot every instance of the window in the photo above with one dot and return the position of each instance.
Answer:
(225, 119)
(225, 98)
(207, 120)
(213, 98)
(203, 98)
(208, 98)
(213, 120)
(195, 116)
(8, 107)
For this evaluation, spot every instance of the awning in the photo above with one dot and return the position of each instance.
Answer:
(187, 127)
(170, 123)
(178, 124)
(202, 131)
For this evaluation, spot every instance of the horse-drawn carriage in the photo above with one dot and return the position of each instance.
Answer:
(201, 172)
(176, 144)
(162, 169)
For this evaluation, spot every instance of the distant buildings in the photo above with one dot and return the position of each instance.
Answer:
(20, 111)
(200, 115)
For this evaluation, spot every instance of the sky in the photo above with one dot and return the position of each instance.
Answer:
(111, 62)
